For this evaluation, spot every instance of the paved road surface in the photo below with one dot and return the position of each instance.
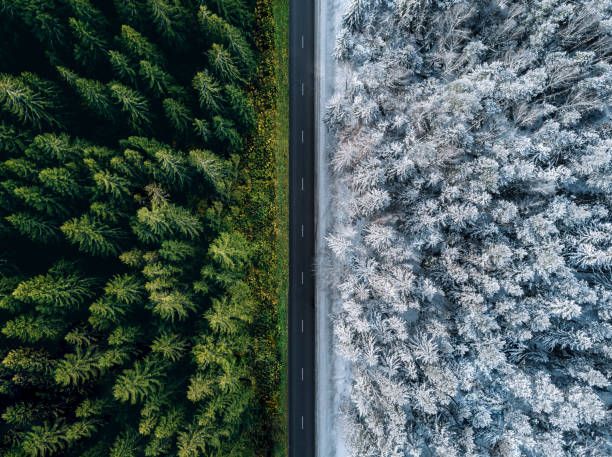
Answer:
(301, 230)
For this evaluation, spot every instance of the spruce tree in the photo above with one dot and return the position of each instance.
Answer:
(25, 104)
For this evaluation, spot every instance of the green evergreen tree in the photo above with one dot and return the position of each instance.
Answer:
(89, 46)
(242, 109)
(60, 181)
(34, 227)
(201, 129)
(77, 368)
(235, 11)
(122, 67)
(54, 291)
(156, 79)
(40, 200)
(172, 170)
(26, 105)
(218, 30)
(225, 132)
(209, 91)
(13, 140)
(222, 64)
(138, 47)
(112, 184)
(178, 114)
(130, 11)
(132, 103)
(126, 445)
(45, 440)
(92, 236)
(31, 329)
(94, 94)
(170, 346)
(136, 384)
(214, 169)
(53, 146)
(169, 20)
(166, 220)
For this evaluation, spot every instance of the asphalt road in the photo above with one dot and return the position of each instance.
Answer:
(301, 229)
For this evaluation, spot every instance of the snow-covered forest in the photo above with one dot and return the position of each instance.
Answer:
(472, 239)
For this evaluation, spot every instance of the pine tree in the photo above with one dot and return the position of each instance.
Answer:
(30, 328)
(125, 289)
(209, 91)
(45, 440)
(84, 10)
(170, 346)
(134, 104)
(225, 132)
(136, 384)
(61, 181)
(218, 30)
(242, 109)
(40, 200)
(235, 11)
(112, 184)
(92, 237)
(122, 67)
(169, 20)
(77, 368)
(201, 129)
(54, 291)
(138, 47)
(172, 170)
(222, 64)
(155, 77)
(12, 140)
(53, 146)
(178, 114)
(89, 47)
(192, 442)
(34, 227)
(94, 94)
(29, 107)
(165, 220)
(130, 11)
(126, 445)
(214, 169)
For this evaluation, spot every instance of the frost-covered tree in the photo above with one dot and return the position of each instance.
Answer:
(472, 244)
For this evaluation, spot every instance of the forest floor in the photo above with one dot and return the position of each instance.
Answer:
(281, 40)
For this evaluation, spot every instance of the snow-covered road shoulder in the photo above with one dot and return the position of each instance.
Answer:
(332, 373)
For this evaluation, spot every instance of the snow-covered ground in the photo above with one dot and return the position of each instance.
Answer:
(333, 380)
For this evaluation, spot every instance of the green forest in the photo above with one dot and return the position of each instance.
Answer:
(139, 220)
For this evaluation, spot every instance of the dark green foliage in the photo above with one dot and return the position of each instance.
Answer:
(92, 236)
(24, 103)
(137, 46)
(133, 104)
(34, 227)
(169, 20)
(126, 316)
(178, 115)
(209, 91)
(226, 133)
(222, 63)
(122, 66)
(89, 47)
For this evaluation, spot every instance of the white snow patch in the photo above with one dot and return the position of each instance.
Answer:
(333, 373)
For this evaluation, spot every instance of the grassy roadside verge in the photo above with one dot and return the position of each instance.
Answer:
(263, 217)
(281, 41)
